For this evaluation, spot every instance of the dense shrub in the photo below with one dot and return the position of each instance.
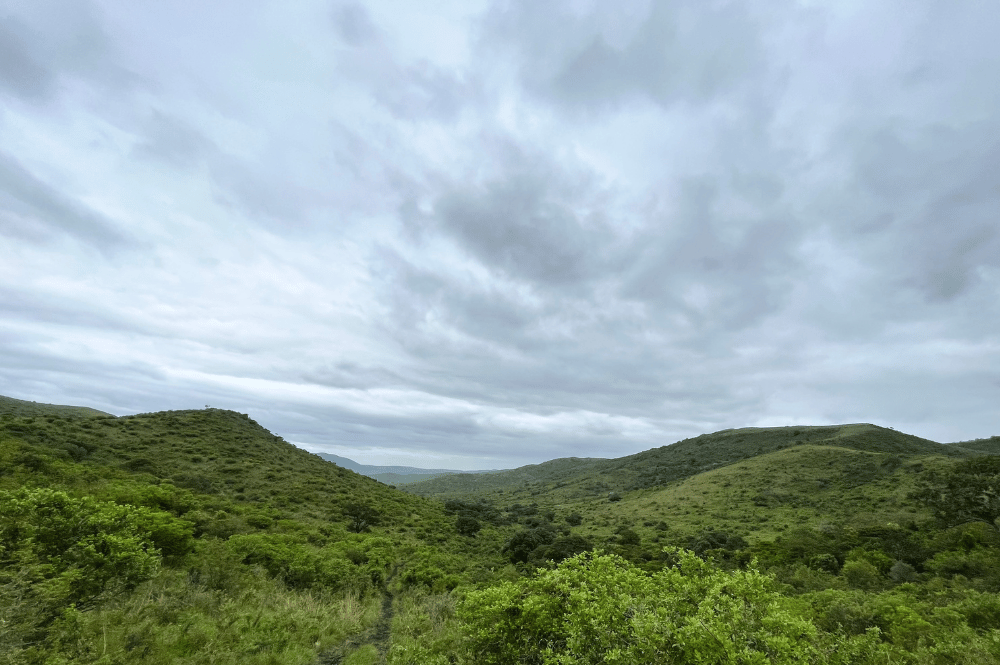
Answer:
(467, 526)
(523, 544)
(73, 548)
(298, 564)
(598, 608)
(565, 547)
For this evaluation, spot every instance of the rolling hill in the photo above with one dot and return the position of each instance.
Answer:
(578, 478)
(20, 407)
(199, 536)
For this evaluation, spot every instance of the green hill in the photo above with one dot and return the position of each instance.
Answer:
(390, 475)
(267, 552)
(990, 445)
(18, 407)
(574, 478)
(200, 537)
(805, 486)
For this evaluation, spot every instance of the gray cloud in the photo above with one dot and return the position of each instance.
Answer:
(20, 71)
(171, 140)
(410, 91)
(353, 24)
(662, 52)
(481, 236)
(525, 223)
(424, 91)
(45, 41)
(31, 208)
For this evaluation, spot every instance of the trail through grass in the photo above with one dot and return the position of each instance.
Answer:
(372, 645)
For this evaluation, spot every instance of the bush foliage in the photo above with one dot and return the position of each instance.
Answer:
(199, 537)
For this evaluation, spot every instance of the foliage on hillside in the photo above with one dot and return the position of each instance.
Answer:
(573, 478)
(20, 407)
(205, 530)
(199, 537)
(597, 609)
(990, 445)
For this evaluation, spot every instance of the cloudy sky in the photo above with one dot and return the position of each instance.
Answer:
(480, 234)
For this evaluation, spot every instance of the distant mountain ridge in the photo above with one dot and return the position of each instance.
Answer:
(393, 475)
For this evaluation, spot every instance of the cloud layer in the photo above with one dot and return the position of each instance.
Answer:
(495, 233)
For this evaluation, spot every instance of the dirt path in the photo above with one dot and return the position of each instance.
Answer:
(377, 636)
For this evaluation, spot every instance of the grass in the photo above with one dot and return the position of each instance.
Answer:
(296, 560)
(19, 407)
(278, 574)
(573, 479)
(760, 498)
(169, 620)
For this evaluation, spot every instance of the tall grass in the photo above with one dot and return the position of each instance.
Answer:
(171, 620)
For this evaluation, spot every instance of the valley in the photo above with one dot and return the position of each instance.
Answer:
(200, 537)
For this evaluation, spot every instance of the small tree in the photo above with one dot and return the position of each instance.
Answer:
(360, 518)
(467, 526)
(968, 493)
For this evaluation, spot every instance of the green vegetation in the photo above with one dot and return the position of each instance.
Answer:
(199, 537)
(20, 407)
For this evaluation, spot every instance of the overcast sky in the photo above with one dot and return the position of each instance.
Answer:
(473, 234)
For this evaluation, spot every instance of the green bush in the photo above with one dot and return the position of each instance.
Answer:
(861, 575)
(467, 526)
(596, 608)
(432, 569)
(58, 552)
(298, 564)
(75, 547)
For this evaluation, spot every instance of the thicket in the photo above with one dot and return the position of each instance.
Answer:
(200, 537)
(600, 609)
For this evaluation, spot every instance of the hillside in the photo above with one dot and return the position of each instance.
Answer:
(990, 446)
(223, 456)
(275, 553)
(806, 486)
(574, 478)
(200, 537)
(19, 407)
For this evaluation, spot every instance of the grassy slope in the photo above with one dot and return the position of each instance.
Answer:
(19, 407)
(759, 498)
(573, 479)
(754, 482)
(231, 477)
(990, 445)
(226, 458)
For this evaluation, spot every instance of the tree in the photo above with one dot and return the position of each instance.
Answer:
(566, 546)
(970, 492)
(523, 543)
(360, 518)
(467, 526)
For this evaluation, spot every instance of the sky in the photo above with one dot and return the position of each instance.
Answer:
(479, 234)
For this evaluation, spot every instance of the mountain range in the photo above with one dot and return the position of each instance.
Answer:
(393, 475)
